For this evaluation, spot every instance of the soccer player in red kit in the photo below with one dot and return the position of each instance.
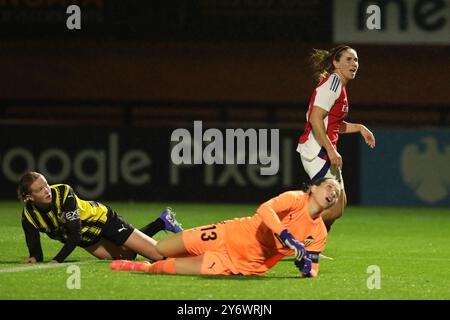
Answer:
(289, 224)
(325, 120)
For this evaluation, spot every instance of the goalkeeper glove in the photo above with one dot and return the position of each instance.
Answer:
(288, 241)
(304, 265)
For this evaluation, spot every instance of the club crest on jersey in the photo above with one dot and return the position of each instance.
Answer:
(308, 241)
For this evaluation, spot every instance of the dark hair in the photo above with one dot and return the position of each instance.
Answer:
(25, 183)
(318, 182)
(322, 60)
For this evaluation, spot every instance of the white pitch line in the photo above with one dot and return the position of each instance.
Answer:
(386, 258)
(45, 266)
(404, 258)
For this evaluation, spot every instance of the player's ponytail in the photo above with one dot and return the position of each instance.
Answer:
(322, 61)
(25, 183)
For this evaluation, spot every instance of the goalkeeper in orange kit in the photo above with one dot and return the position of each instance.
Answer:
(289, 224)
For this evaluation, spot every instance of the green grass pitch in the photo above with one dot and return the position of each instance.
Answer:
(410, 246)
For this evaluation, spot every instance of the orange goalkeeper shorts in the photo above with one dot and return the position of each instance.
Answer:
(209, 242)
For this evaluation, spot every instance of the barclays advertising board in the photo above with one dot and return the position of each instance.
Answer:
(407, 168)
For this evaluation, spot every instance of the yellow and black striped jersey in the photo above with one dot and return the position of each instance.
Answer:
(67, 215)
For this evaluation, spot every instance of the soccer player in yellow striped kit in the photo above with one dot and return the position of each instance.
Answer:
(57, 211)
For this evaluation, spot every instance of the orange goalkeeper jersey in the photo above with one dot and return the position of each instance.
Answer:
(251, 243)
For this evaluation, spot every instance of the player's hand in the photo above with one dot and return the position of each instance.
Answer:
(304, 265)
(368, 136)
(288, 241)
(335, 158)
(30, 260)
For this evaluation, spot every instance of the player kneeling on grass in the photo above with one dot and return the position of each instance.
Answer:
(289, 224)
(57, 211)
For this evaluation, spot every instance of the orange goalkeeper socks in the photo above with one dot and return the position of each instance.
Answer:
(126, 265)
(162, 266)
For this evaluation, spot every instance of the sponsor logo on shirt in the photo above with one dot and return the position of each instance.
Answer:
(72, 215)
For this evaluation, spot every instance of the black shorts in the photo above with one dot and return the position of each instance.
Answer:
(116, 229)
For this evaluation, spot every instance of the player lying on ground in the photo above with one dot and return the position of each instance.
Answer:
(57, 211)
(289, 224)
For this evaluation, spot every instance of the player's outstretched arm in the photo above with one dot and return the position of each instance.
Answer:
(369, 138)
(33, 241)
(71, 214)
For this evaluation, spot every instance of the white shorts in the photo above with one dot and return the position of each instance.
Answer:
(318, 168)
